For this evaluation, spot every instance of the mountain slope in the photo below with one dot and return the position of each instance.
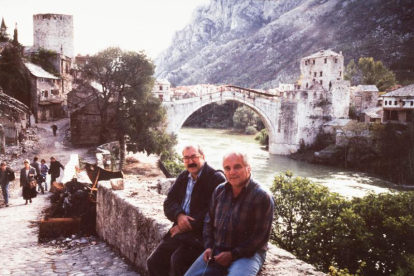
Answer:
(257, 43)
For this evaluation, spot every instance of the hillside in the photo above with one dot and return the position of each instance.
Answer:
(257, 43)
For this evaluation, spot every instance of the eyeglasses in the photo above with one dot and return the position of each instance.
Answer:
(193, 158)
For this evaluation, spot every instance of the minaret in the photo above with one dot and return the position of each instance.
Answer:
(15, 36)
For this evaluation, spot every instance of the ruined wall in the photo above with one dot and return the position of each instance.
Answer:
(85, 125)
(54, 32)
(133, 221)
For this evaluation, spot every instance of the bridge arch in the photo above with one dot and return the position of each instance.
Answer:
(222, 97)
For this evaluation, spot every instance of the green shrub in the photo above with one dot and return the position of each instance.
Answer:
(250, 130)
(326, 230)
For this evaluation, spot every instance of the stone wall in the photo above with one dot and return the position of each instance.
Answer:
(133, 221)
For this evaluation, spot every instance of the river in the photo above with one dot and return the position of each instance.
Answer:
(265, 166)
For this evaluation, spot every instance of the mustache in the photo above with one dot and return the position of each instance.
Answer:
(192, 165)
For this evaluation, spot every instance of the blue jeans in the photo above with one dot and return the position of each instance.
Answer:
(5, 190)
(240, 267)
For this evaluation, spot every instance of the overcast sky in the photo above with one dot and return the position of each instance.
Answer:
(131, 24)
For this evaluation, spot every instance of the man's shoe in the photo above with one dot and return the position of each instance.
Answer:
(30, 201)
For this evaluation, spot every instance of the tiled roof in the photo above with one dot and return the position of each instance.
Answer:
(367, 88)
(405, 91)
(162, 81)
(322, 53)
(374, 112)
(38, 71)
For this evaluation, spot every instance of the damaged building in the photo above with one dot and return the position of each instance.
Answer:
(398, 105)
(15, 117)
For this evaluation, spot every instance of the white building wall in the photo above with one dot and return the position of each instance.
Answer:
(54, 32)
(331, 67)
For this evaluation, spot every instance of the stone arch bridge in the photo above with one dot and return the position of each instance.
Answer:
(287, 120)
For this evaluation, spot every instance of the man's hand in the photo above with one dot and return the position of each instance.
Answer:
(224, 258)
(175, 230)
(208, 255)
(184, 222)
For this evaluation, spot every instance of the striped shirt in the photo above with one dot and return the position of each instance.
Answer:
(241, 225)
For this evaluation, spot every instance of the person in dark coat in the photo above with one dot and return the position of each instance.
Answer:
(6, 175)
(54, 170)
(35, 164)
(54, 128)
(27, 174)
(186, 206)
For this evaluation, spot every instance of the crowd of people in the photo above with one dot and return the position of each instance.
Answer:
(32, 176)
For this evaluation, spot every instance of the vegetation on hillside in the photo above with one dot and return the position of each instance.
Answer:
(370, 72)
(370, 236)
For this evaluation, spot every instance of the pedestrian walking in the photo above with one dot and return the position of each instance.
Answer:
(6, 176)
(35, 164)
(27, 175)
(54, 128)
(44, 169)
(54, 170)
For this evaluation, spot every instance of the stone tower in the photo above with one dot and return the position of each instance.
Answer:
(54, 32)
(324, 67)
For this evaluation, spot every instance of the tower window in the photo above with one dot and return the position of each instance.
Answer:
(320, 73)
(336, 60)
(315, 74)
(326, 60)
(320, 82)
(313, 61)
(160, 87)
(340, 73)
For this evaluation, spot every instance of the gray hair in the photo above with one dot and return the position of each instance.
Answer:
(194, 146)
(241, 154)
(26, 161)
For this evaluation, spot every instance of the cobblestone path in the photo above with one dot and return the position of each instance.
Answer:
(21, 254)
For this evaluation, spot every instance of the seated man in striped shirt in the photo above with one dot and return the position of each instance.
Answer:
(238, 224)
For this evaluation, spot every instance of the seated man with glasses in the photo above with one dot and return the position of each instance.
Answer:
(186, 206)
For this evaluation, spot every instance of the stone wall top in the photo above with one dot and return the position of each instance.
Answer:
(133, 221)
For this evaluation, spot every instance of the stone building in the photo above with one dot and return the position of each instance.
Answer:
(398, 105)
(324, 67)
(162, 90)
(14, 118)
(47, 98)
(85, 124)
(364, 97)
(54, 32)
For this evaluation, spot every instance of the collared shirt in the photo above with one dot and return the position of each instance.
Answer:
(241, 225)
(190, 186)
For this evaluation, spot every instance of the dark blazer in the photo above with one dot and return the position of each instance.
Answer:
(54, 168)
(9, 175)
(200, 197)
(24, 180)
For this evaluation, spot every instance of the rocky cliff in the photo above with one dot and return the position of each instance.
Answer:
(257, 43)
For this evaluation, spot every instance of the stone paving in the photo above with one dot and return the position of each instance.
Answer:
(22, 254)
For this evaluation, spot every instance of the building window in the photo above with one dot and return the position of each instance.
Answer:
(340, 73)
(395, 102)
(315, 74)
(385, 102)
(320, 74)
(161, 87)
(42, 80)
(307, 85)
(313, 61)
(306, 62)
(320, 82)
(412, 103)
(336, 60)
(326, 60)
(390, 102)
(403, 103)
